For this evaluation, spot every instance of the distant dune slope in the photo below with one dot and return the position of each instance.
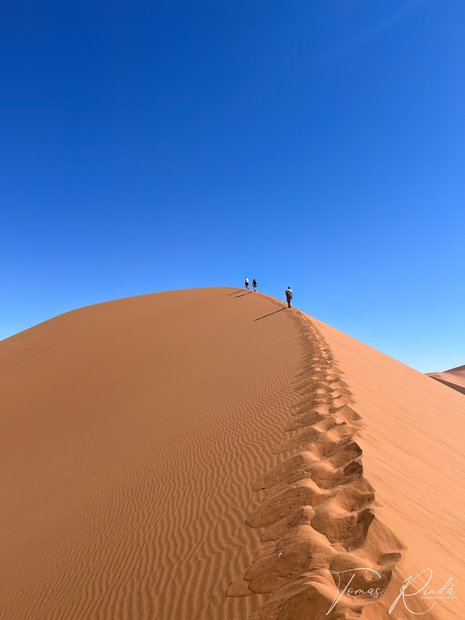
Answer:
(454, 378)
(210, 454)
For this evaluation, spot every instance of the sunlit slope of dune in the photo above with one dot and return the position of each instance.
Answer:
(413, 433)
(210, 454)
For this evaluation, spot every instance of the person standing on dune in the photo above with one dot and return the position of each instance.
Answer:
(254, 284)
(288, 293)
(246, 283)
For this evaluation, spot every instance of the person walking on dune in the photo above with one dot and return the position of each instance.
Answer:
(254, 284)
(246, 283)
(288, 293)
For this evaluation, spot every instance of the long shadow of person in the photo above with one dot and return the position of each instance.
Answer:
(265, 315)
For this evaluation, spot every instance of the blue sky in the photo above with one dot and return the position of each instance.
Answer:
(148, 146)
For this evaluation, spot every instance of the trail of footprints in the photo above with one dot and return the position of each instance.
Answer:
(317, 512)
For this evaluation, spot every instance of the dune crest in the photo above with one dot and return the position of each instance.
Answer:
(318, 510)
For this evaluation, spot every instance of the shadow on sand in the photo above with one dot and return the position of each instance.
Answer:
(271, 313)
(244, 294)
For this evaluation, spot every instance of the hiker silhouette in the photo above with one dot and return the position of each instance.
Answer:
(288, 293)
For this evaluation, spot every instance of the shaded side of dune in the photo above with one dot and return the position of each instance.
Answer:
(132, 435)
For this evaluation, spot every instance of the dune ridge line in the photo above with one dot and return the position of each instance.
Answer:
(318, 508)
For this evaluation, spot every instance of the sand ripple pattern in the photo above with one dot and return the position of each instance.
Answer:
(145, 423)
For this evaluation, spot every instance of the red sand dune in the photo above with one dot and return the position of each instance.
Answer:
(209, 454)
(454, 378)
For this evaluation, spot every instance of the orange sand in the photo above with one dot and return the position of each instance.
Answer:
(198, 455)
(412, 437)
(454, 378)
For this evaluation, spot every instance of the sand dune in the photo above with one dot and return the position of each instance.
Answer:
(412, 435)
(209, 454)
(454, 378)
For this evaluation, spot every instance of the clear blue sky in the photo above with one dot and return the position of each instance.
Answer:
(148, 146)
